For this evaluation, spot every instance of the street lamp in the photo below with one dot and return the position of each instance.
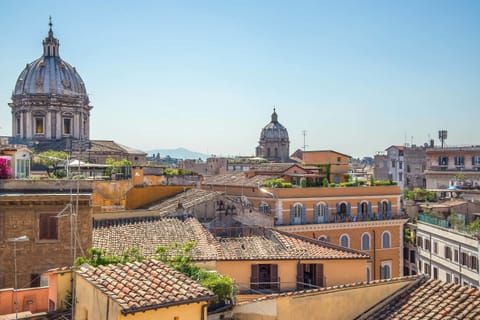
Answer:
(15, 290)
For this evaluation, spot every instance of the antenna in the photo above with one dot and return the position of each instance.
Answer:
(442, 135)
(304, 133)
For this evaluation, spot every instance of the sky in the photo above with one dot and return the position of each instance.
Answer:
(356, 76)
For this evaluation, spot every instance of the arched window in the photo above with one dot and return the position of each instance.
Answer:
(321, 212)
(364, 208)
(344, 241)
(366, 241)
(386, 239)
(386, 270)
(297, 214)
(343, 208)
(324, 238)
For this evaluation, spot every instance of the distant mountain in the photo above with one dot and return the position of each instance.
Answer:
(178, 153)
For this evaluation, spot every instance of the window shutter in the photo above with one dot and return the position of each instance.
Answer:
(300, 279)
(389, 209)
(359, 211)
(319, 275)
(304, 214)
(380, 210)
(43, 227)
(254, 277)
(349, 208)
(338, 207)
(325, 213)
(292, 215)
(274, 276)
(316, 214)
(369, 213)
(382, 272)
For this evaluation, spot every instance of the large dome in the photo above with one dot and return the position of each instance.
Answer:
(274, 130)
(50, 101)
(50, 75)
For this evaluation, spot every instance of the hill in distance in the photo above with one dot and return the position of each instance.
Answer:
(178, 153)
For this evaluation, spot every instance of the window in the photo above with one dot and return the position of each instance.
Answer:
(297, 214)
(427, 245)
(443, 161)
(426, 267)
(264, 208)
(369, 272)
(400, 165)
(448, 277)
(321, 213)
(386, 270)
(448, 253)
(459, 161)
(393, 163)
(476, 160)
(67, 126)
(400, 176)
(474, 262)
(22, 169)
(344, 241)
(408, 168)
(39, 126)
(455, 255)
(386, 239)
(18, 126)
(456, 280)
(435, 247)
(464, 259)
(366, 241)
(34, 280)
(264, 276)
(48, 227)
(420, 242)
(412, 256)
(435, 273)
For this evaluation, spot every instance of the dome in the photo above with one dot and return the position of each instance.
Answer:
(274, 130)
(50, 75)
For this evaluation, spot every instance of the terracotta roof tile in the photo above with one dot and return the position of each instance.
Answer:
(432, 299)
(142, 294)
(265, 244)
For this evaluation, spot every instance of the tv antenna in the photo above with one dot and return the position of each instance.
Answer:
(304, 133)
(442, 135)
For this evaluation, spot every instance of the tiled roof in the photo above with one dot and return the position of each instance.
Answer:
(189, 199)
(148, 235)
(146, 285)
(237, 179)
(275, 245)
(272, 167)
(432, 299)
(261, 244)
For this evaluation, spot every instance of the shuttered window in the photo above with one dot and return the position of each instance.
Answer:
(48, 228)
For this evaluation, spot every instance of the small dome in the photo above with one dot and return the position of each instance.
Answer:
(274, 130)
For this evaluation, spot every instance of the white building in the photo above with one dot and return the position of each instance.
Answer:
(447, 254)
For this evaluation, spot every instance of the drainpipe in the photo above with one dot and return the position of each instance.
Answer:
(374, 255)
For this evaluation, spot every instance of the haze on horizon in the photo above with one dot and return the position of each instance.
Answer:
(358, 76)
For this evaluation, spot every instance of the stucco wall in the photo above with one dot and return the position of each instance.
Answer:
(139, 197)
(342, 303)
(335, 271)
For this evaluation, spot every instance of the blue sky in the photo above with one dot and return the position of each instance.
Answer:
(358, 76)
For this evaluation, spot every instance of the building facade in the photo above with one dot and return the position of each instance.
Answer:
(447, 254)
(451, 166)
(274, 144)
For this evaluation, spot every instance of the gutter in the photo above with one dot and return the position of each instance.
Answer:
(166, 305)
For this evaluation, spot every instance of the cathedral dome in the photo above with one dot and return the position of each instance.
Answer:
(50, 75)
(274, 130)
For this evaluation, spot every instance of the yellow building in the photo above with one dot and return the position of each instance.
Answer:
(258, 259)
(367, 218)
(333, 164)
(140, 290)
